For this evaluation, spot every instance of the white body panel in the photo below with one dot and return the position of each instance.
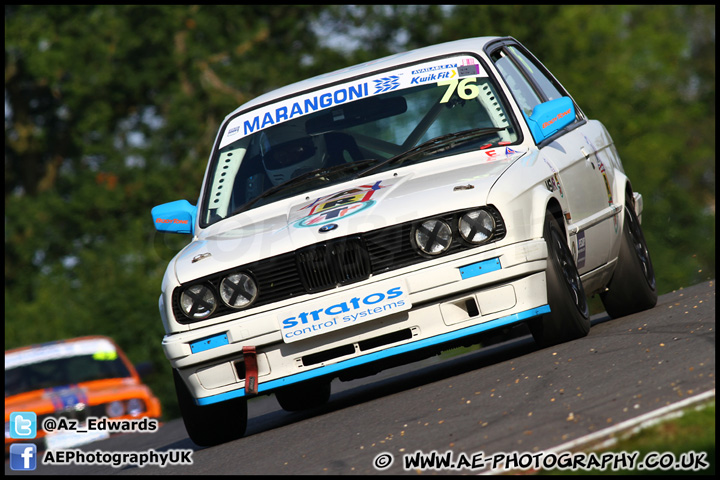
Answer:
(449, 298)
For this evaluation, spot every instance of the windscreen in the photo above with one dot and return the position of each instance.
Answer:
(368, 125)
(62, 364)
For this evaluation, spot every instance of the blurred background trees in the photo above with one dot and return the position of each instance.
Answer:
(112, 109)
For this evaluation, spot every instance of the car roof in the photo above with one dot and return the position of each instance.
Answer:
(59, 348)
(476, 44)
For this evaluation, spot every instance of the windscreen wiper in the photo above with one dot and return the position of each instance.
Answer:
(318, 173)
(434, 145)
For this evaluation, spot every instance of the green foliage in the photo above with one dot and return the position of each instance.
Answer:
(113, 109)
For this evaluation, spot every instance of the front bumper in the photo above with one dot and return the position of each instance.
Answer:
(460, 296)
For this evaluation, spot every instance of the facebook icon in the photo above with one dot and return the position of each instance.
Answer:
(23, 456)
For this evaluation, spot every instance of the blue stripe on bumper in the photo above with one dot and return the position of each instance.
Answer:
(480, 268)
(209, 343)
(389, 352)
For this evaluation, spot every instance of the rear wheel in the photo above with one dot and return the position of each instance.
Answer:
(214, 424)
(569, 316)
(304, 396)
(632, 287)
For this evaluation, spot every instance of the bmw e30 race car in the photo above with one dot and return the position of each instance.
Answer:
(386, 212)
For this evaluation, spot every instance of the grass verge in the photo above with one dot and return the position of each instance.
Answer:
(683, 445)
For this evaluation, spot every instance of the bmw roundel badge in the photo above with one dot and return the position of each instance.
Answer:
(328, 227)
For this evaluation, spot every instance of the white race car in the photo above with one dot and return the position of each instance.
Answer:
(386, 212)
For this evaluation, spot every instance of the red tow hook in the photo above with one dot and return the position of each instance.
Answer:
(251, 370)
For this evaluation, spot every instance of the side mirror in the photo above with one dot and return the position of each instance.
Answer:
(549, 117)
(175, 217)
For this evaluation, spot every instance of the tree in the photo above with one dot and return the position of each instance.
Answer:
(110, 110)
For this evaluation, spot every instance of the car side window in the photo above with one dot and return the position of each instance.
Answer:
(521, 89)
(542, 81)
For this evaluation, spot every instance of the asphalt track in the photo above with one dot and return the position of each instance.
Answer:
(509, 397)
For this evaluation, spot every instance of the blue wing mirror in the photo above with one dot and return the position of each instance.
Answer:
(550, 117)
(175, 217)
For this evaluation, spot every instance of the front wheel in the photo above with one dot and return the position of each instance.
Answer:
(632, 287)
(214, 424)
(569, 316)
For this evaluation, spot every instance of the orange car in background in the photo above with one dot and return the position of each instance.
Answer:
(75, 379)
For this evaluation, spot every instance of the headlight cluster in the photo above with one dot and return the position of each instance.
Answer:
(342, 261)
(476, 226)
(237, 290)
(117, 408)
(435, 236)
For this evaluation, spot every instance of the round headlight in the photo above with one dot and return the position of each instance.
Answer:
(477, 226)
(115, 409)
(198, 302)
(238, 290)
(433, 237)
(135, 406)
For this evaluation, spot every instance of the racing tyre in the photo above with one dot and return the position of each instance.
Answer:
(632, 287)
(304, 396)
(214, 424)
(569, 316)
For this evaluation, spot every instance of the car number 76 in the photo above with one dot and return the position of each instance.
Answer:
(465, 90)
